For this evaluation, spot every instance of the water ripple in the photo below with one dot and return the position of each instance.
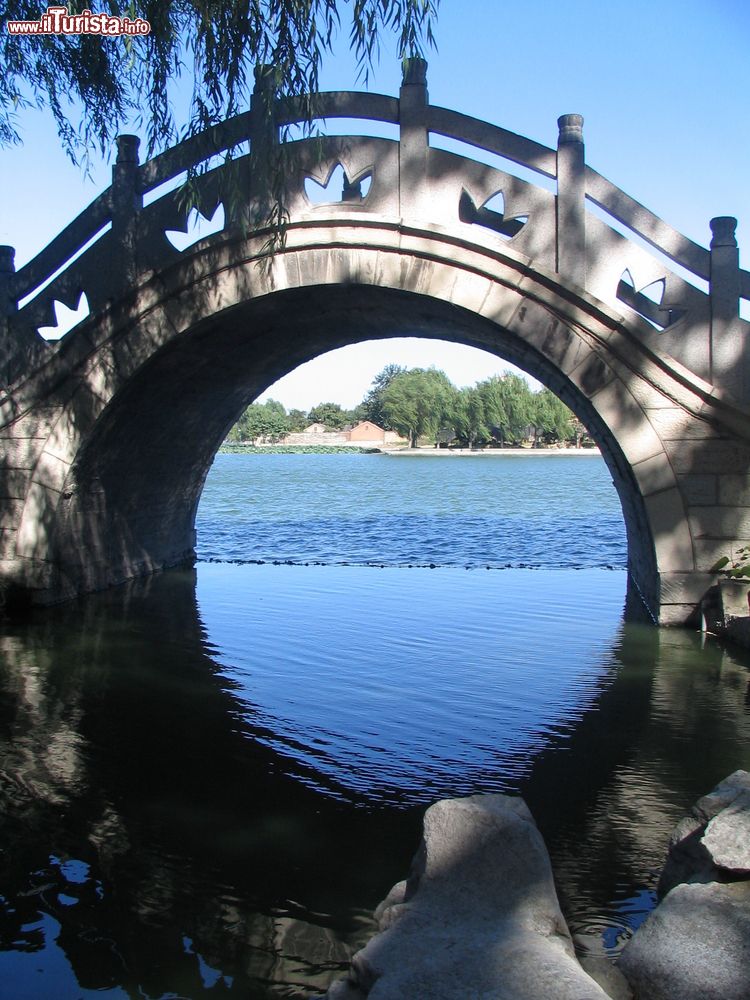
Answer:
(363, 510)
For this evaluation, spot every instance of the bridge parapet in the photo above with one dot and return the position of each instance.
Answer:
(681, 297)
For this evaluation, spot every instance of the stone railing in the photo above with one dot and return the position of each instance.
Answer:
(568, 219)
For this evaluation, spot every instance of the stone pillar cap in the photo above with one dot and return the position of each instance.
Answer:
(263, 73)
(7, 258)
(127, 148)
(571, 128)
(722, 229)
(414, 71)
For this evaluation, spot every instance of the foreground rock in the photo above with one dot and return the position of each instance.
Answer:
(713, 842)
(478, 917)
(696, 944)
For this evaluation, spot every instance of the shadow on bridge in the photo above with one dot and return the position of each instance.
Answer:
(109, 433)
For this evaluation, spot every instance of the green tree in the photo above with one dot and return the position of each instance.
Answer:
(418, 402)
(470, 418)
(507, 406)
(297, 420)
(96, 87)
(371, 407)
(330, 414)
(551, 417)
(261, 422)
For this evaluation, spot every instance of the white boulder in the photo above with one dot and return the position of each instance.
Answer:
(696, 943)
(478, 917)
(694, 946)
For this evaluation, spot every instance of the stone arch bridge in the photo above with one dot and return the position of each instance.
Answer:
(447, 227)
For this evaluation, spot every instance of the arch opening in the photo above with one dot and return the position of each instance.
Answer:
(138, 479)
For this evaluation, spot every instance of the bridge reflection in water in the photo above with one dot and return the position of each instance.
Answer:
(165, 834)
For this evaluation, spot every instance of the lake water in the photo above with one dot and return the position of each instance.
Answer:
(554, 511)
(209, 779)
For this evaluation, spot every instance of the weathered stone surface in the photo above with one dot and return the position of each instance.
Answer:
(727, 836)
(597, 963)
(689, 858)
(477, 918)
(694, 946)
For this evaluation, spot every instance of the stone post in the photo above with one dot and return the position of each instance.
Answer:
(7, 307)
(264, 146)
(21, 346)
(728, 363)
(413, 142)
(127, 202)
(571, 200)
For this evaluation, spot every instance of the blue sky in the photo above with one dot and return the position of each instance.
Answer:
(663, 88)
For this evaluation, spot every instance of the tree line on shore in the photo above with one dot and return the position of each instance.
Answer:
(422, 404)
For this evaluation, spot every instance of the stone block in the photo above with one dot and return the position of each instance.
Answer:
(11, 511)
(313, 267)
(20, 452)
(416, 275)
(557, 342)
(346, 266)
(8, 538)
(13, 482)
(720, 522)
(501, 304)
(713, 456)
(131, 346)
(734, 489)
(654, 474)
(74, 423)
(626, 420)
(640, 384)
(471, 292)
(34, 424)
(672, 423)
(699, 490)
(677, 615)
(671, 533)
(51, 471)
(708, 551)
(101, 379)
(8, 411)
(686, 589)
(37, 526)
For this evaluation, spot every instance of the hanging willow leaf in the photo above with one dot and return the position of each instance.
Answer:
(96, 87)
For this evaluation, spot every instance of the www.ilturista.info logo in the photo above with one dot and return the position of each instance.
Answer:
(57, 21)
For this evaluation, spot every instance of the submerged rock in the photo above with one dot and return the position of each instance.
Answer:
(696, 944)
(478, 916)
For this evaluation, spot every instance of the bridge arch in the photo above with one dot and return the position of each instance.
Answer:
(165, 374)
(107, 436)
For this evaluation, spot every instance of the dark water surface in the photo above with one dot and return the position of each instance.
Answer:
(208, 780)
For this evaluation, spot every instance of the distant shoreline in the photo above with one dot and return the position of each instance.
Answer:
(371, 448)
(492, 452)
